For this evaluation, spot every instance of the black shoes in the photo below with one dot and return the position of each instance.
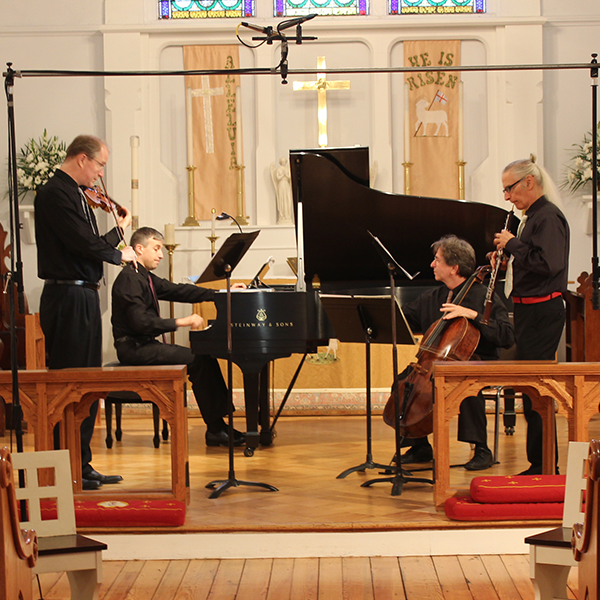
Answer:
(482, 459)
(222, 439)
(93, 476)
(417, 454)
(90, 484)
(536, 470)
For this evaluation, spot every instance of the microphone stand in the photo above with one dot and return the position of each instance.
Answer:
(595, 266)
(15, 276)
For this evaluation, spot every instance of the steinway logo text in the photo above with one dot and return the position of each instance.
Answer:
(262, 321)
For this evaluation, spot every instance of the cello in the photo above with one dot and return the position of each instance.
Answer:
(452, 339)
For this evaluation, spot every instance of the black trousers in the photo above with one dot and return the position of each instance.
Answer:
(538, 328)
(204, 372)
(72, 324)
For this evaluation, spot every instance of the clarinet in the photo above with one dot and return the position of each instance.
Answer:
(489, 296)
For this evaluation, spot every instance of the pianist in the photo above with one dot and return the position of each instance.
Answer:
(137, 324)
(453, 263)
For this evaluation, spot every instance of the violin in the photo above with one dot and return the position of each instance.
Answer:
(454, 339)
(96, 198)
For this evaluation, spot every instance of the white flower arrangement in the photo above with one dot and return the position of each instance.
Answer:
(581, 170)
(38, 161)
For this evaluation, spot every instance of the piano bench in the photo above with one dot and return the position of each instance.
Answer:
(126, 397)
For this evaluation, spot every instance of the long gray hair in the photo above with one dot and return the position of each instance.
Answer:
(527, 166)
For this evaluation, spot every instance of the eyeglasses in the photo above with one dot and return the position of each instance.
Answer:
(508, 189)
(101, 165)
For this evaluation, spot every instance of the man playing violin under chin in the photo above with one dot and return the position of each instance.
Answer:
(70, 255)
(453, 263)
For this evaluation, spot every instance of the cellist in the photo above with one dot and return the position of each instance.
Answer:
(453, 263)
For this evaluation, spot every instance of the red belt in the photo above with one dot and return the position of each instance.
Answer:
(536, 299)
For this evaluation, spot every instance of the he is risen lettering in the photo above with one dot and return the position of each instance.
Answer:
(439, 78)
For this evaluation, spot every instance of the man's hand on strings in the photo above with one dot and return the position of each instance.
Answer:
(124, 222)
(452, 311)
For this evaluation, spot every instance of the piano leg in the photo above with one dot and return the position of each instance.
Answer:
(256, 397)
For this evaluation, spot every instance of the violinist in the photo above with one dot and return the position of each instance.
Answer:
(453, 263)
(70, 255)
(539, 265)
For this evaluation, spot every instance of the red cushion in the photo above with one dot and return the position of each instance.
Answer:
(518, 488)
(464, 508)
(122, 513)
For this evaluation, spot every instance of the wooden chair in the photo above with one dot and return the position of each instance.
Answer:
(586, 534)
(61, 548)
(18, 551)
(550, 552)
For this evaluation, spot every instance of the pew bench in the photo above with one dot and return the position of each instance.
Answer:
(574, 386)
(65, 395)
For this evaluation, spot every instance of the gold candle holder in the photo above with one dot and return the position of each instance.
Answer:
(407, 166)
(213, 239)
(170, 249)
(461, 179)
(191, 220)
(240, 196)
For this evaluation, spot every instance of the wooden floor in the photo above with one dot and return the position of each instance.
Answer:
(378, 578)
(307, 455)
(303, 463)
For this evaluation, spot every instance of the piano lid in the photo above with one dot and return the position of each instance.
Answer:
(338, 210)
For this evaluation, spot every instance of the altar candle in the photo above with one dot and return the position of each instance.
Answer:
(135, 145)
(213, 216)
(406, 125)
(461, 155)
(238, 119)
(169, 234)
(189, 126)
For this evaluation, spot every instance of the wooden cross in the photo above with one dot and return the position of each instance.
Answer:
(205, 92)
(321, 86)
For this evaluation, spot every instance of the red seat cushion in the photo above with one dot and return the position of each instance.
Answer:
(464, 508)
(518, 488)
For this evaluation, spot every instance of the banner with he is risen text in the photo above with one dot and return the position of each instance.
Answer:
(215, 149)
(432, 118)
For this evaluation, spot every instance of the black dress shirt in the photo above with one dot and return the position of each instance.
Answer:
(134, 312)
(66, 234)
(498, 333)
(541, 254)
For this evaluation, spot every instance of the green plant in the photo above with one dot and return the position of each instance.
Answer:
(37, 162)
(580, 171)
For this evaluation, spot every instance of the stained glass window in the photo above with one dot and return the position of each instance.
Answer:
(421, 7)
(201, 9)
(295, 8)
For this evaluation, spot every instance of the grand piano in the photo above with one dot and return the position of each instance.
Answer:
(334, 210)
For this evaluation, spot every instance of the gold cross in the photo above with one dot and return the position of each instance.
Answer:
(321, 86)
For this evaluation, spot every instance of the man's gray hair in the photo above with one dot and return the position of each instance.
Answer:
(456, 252)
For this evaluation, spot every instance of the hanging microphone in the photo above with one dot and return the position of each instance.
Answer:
(265, 30)
(293, 22)
(224, 216)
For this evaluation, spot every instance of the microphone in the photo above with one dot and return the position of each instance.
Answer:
(224, 216)
(265, 30)
(294, 22)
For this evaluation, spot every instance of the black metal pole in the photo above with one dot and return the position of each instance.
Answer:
(595, 268)
(15, 276)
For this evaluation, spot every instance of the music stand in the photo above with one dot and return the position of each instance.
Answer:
(399, 478)
(221, 267)
(365, 319)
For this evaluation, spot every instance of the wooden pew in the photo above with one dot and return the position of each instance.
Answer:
(574, 386)
(19, 548)
(586, 535)
(50, 396)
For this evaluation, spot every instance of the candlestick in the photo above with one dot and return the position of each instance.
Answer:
(461, 155)
(170, 249)
(239, 157)
(191, 220)
(189, 126)
(407, 166)
(406, 125)
(461, 179)
(240, 196)
(213, 239)
(169, 234)
(134, 142)
(213, 217)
